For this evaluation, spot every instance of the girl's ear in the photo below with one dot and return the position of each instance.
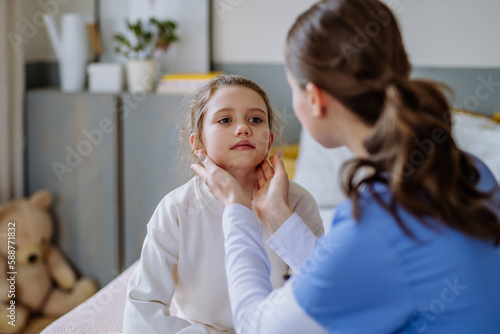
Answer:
(195, 143)
(316, 99)
(271, 141)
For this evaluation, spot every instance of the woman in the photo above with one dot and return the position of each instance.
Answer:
(414, 248)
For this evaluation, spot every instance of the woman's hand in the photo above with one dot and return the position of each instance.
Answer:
(222, 185)
(270, 194)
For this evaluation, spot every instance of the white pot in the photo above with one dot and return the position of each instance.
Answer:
(141, 75)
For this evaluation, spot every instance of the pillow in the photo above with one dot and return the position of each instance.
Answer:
(479, 136)
(317, 169)
(289, 155)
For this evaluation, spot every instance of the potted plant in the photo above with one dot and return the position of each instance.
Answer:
(151, 41)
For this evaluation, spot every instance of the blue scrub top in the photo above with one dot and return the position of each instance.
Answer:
(368, 276)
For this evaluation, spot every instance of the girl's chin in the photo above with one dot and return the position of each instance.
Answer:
(241, 167)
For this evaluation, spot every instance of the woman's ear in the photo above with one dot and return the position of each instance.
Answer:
(316, 99)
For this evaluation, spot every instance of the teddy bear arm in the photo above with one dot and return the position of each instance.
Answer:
(20, 316)
(60, 270)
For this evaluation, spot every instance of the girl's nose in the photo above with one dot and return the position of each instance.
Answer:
(242, 129)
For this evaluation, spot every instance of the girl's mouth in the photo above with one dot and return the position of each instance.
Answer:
(243, 145)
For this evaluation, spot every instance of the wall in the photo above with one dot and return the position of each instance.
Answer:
(37, 46)
(252, 31)
(447, 33)
(451, 33)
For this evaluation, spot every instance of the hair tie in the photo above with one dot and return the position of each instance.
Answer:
(398, 82)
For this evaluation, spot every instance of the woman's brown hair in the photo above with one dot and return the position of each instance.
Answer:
(353, 50)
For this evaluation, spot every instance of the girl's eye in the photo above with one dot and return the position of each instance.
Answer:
(224, 120)
(256, 120)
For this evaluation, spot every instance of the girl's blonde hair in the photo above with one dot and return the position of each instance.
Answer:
(197, 107)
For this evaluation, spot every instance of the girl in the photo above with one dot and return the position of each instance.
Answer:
(182, 261)
(415, 248)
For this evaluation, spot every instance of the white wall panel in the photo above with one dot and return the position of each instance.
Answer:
(252, 31)
(446, 33)
(451, 33)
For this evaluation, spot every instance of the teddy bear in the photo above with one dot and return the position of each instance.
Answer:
(35, 278)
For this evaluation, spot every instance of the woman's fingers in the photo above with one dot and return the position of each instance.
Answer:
(206, 161)
(267, 169)
(271, 200)
(256, 187)
(279, 166)
(208, 166)
(221, 184)
(261, 178)
(200, 171)
(213, 175)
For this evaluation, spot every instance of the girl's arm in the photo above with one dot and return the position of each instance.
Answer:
(152, 285)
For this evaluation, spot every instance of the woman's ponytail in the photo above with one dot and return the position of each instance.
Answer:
(412, 150)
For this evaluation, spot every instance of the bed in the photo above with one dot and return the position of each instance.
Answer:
(312, 166)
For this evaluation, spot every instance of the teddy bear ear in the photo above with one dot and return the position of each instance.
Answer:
(42, 199)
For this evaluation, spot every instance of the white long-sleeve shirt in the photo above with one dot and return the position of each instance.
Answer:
(256, 307)
(182, 264)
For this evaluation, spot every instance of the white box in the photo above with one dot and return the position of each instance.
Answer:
(105, 77)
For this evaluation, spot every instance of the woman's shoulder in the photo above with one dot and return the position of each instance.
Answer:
(373, 206)
(487, 181)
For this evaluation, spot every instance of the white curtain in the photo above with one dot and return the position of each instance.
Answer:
(11, 101)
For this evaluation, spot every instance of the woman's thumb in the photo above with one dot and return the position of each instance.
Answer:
(206, 161)
(279, 166)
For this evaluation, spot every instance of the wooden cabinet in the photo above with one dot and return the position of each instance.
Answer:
(108, 160)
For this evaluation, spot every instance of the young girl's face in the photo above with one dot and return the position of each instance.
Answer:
(236, 132)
